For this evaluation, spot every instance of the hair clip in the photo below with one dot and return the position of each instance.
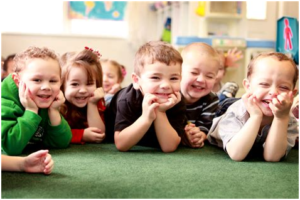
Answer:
(95, 52)
(123, 70)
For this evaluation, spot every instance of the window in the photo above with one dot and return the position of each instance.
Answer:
(51, 17)
(256, 10)
(31, 16)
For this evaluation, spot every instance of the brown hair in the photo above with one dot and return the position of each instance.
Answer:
(89, 61)
(32, 52)
(66, 57)
(202, 49)
(6, 61)
(120, 68)
(155, 51)
(275, 55)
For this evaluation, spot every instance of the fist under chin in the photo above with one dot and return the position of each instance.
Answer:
(160, 100)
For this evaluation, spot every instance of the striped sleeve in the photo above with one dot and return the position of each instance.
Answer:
(204, 122)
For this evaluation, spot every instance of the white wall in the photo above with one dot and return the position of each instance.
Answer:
(112, 48)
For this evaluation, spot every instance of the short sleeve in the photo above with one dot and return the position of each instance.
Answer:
(126, 115)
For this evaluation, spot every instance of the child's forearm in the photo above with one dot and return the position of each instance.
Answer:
(167, 136)
(240, 145)
(12, 163)
(131, 135)
(94, 118)
(54, 116)
(276, 142)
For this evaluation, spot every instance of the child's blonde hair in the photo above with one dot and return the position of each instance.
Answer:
(121, 70)
(32, 52)
(202, 49)
(275, 55)
(155, 51)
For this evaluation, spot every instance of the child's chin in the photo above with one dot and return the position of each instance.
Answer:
(44, 106)
(162, 100)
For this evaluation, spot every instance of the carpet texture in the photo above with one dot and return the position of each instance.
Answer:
(100, 171)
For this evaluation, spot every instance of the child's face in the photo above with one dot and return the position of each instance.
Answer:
(270, 78)
(159, 79)
(198, 76)
(77, 88)
(42, 78)
(110, 76)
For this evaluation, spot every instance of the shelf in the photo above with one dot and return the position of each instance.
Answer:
(223, 16)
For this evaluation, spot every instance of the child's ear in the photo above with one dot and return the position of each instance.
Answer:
(246, 84)
(16, 78)
(135, 81)
(295, 92)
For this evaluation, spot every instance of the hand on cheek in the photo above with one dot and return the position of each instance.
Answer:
(26, 98)
(281, 104)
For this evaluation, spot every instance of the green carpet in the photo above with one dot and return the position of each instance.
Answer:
(100, 171)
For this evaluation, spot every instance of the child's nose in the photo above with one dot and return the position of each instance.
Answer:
(273, 91)
(105, 78)
(165, 85)
(45, 86)
(83, 89)
(200, 78)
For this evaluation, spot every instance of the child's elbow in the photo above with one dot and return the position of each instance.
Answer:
(236, 157)
(120, 147)
(272, 158)
(169, 149)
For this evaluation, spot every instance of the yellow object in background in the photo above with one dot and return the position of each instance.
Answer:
(201, 8)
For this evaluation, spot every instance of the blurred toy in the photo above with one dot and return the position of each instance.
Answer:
(201, 8)
(166, 36)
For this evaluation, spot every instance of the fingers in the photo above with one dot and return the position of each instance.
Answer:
(39, 154)
(49, 164)
(21, 89)
(100, 92)
(281, 104)
(95, 129)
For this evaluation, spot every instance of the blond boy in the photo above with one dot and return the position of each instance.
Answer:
(260, 123)
(199, 71)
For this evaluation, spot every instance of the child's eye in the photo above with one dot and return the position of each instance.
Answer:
(264, 84)
(74, 84)
(284, 88)
(209, 76)
(194, 73)
(174, 78)
(37, 80)
(53, 81)
(154, 77)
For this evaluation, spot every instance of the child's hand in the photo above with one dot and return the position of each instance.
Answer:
(282, 104)
(93, 134)
(39, 162)
(114, 89)
(26, 98)
(97, 95)
(195, 136)
(149, 106)
(58, 101)
(233, 55)
(172, 101)
(250, 102)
